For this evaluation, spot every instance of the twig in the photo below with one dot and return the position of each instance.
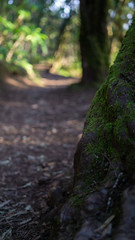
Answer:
(4, 203)
(105, 224)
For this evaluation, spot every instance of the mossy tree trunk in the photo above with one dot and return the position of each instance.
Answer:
(109, 130)
(102, 205)
(93, 40)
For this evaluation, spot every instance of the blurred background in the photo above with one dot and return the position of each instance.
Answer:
(50, 51)
(56, 33)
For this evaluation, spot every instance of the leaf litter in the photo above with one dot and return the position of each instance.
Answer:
(40, 128)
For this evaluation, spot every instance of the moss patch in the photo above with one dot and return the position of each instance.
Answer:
(112, 115)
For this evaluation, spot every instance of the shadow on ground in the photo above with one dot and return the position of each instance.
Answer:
(40, 128)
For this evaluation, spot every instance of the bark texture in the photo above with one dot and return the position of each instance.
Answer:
(93, 40)
(102, 205)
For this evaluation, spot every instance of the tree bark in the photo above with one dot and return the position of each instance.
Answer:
(102, 204)
(63, 26)
(93, 40)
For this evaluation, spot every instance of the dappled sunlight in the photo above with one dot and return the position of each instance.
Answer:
(54, 54)
(28, 135)
(24, 82)
(47, 81)
(42, 126)
(40, 129)
(15, 83)
(53, 83)
(53, 80)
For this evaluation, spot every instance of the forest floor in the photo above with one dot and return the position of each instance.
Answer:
(40, 128)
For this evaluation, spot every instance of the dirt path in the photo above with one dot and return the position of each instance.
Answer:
(40, 128)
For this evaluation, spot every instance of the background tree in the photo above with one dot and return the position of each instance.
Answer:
(93, 40)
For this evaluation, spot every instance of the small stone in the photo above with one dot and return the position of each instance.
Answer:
(54, 130)
(6, 162)
(42, 144)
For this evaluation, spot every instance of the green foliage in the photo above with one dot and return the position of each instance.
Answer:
(25, 24)
(67, 59)
(22, 43)
(22, 14)
(120, 17)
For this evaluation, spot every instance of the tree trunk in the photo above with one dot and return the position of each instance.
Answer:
(63, 26)
(93, 40)
(102, 205)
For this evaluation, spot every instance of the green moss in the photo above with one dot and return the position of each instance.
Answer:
(77, 200)
(109, 115)
(94, 177)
